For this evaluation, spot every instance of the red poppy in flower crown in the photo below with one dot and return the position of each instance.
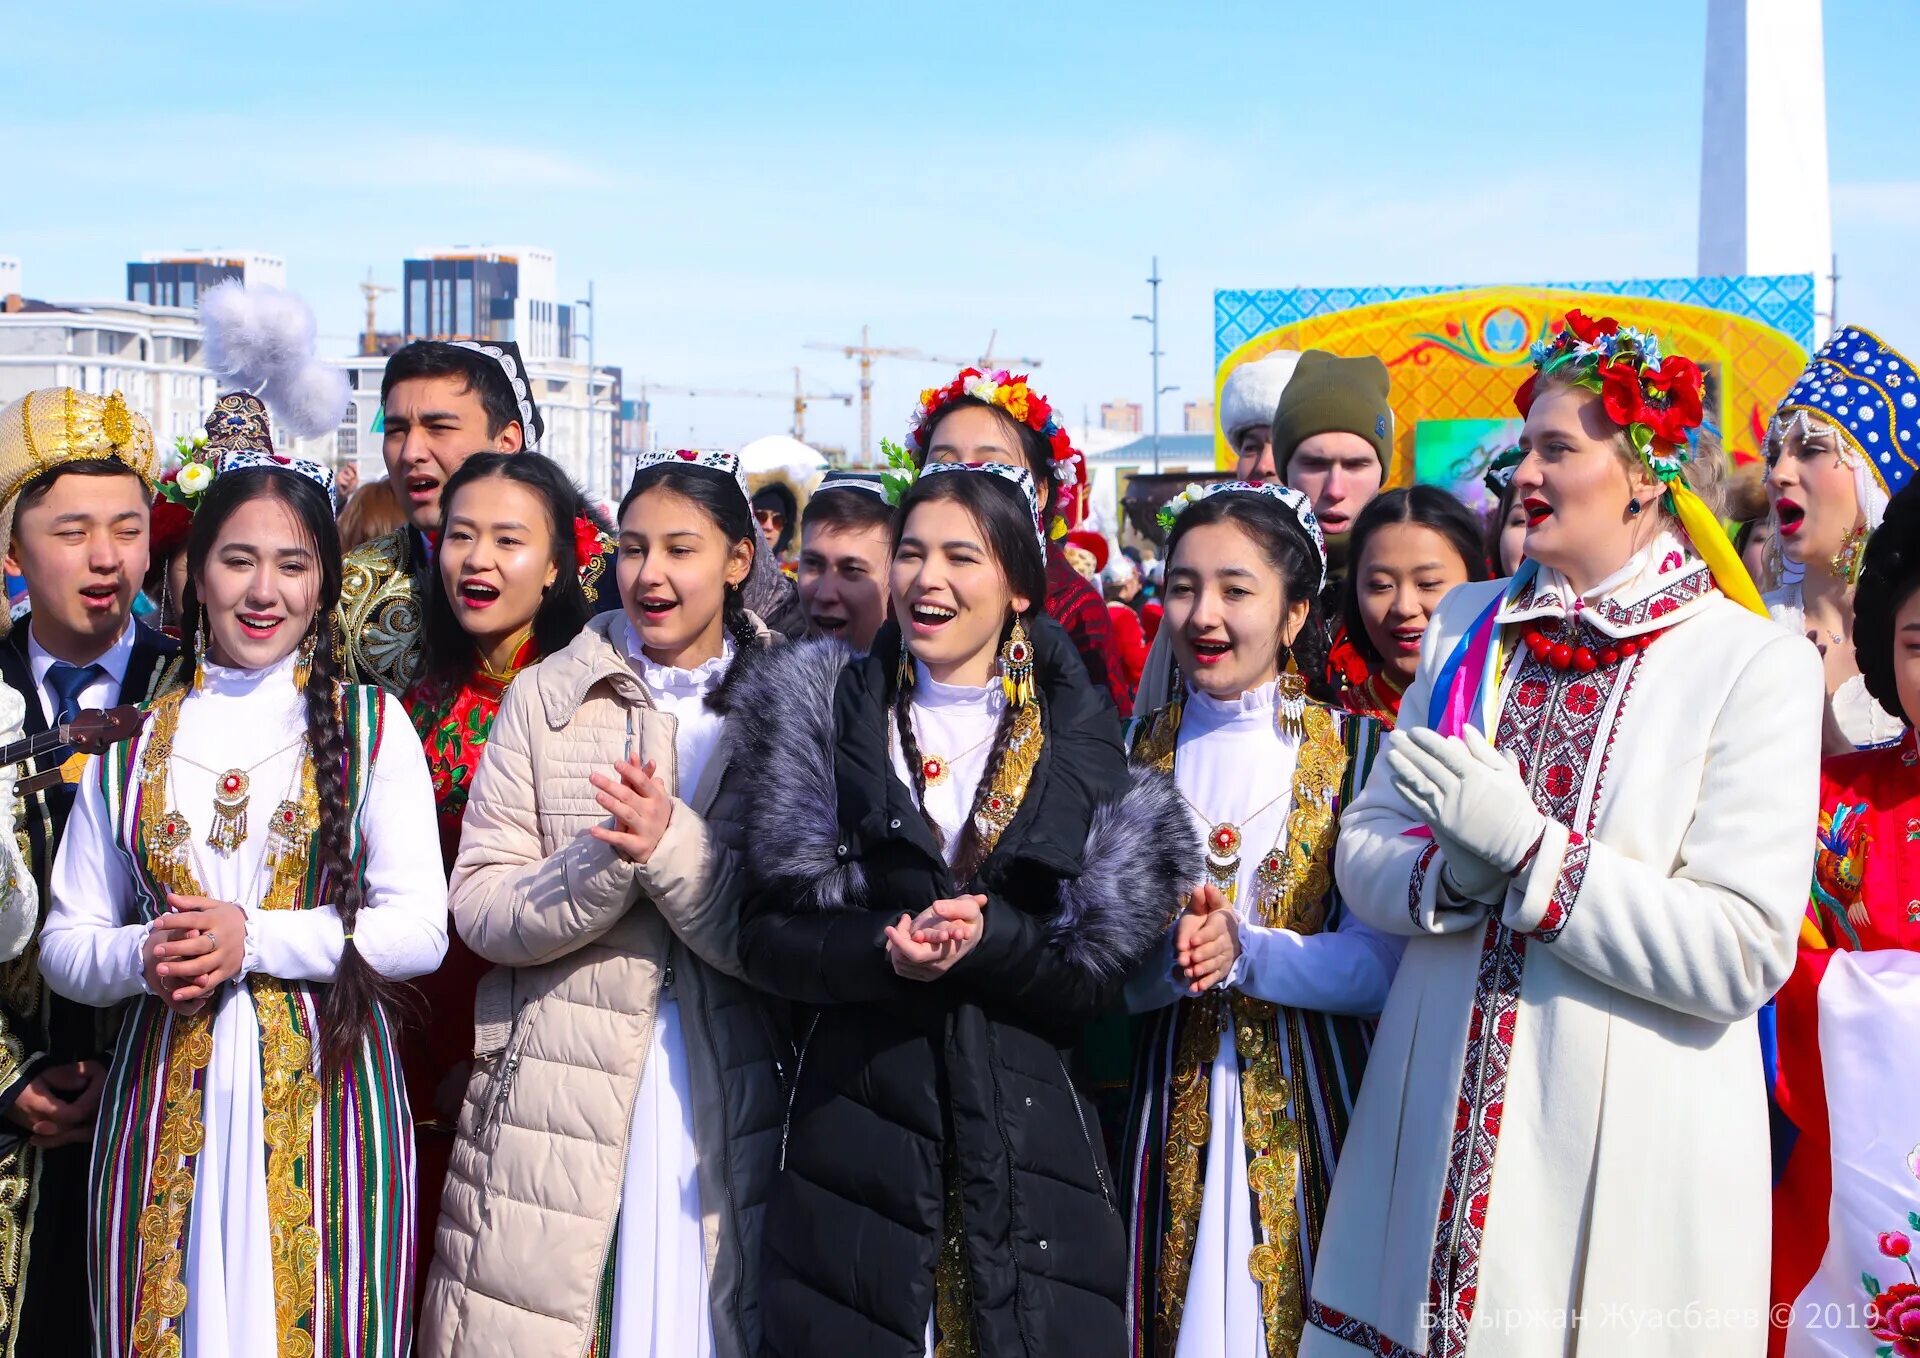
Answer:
(1585, 328)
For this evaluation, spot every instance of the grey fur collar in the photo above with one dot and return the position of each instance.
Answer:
(1139, 862)
(782, 719)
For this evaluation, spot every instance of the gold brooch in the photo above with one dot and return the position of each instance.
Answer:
(116, 421)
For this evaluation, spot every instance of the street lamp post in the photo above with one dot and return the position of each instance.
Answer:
(587, 302)
(1153, 320)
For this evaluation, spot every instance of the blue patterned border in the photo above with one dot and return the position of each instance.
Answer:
(1783, 301)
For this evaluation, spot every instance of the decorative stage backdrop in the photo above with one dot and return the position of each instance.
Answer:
(1456, 355)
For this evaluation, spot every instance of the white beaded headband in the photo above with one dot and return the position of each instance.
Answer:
(1301, 506)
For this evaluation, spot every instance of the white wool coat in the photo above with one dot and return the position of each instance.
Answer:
(1597, 1029)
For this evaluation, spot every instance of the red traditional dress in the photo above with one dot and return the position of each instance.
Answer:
(1847, 1208)
(1365, 691)
(454, 721)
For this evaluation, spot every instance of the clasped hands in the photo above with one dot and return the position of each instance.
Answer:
(193, 949)
(641, 807)
(1473, 799)
(1206, 940)
(926, 948)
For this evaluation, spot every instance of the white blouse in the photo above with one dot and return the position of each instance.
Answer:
(1856, 712)
(660, 1284)
(955, 723)
(682, 695)
(90, 950)
(90, 945)
(1232, 762)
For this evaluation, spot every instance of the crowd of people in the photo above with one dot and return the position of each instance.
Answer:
(1386, 930)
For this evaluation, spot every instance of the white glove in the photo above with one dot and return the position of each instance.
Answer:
(1469, 794)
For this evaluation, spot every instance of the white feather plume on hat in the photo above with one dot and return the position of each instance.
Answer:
(262, 339)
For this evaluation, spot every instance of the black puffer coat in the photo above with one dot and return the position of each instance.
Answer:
(1079, 887)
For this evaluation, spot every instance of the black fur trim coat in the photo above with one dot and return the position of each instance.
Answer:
(894, 1078)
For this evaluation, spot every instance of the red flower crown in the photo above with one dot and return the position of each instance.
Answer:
(1008, 392)
(1657, 400)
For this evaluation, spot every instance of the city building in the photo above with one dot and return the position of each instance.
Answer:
(489, 293)
(150, 354)
(150, 351)
(176, 278)
(1121, 415)
(1198, 417)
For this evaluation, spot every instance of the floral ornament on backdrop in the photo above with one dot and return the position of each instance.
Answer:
(1657, 399)
(1009, 392)
(181, 488)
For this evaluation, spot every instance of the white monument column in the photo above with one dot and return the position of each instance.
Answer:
(1764, 200)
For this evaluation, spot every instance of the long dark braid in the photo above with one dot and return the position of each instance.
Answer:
(973, 847)
(746, 646)
(347, 1011)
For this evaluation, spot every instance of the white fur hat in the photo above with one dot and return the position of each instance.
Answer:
(1252, 391)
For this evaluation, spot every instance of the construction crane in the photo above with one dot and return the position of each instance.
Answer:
(866, 352)
(800, 398)
(370, 339)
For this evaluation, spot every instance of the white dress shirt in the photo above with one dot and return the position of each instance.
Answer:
(102, 692)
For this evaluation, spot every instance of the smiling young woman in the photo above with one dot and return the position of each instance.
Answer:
(588, 874)
(958, 872)
(1842, 440)
(505, 592)
(1409, 548)
(1261, 990)
(996, 417)
(1590, 825)
(263, 831)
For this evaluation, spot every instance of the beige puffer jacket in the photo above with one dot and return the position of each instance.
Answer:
(584, 941)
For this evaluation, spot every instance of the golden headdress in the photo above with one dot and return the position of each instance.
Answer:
(47, 428)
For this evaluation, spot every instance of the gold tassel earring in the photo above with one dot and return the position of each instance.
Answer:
(903, 673)
(1016, 666)
(304, 668)
(200, 628)
(1290, 701)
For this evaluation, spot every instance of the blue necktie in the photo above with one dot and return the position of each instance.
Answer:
(65, 682)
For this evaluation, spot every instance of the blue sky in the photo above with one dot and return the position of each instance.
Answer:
(738, 179)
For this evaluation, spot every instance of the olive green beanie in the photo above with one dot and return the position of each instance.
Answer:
(1329, 394)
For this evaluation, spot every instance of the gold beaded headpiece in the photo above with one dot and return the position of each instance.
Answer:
(48, 428)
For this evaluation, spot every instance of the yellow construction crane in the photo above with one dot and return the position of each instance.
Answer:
(370, 339)
(867, 351)
(800, 398)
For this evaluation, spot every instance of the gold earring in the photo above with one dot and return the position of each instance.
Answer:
(1016, 665)
(200, 626)
(304, 668)
(1846, 561)
(1290, 701)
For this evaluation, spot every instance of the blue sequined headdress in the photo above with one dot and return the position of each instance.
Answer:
(1869, 392)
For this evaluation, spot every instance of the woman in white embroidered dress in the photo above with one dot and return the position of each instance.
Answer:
(183, 883)
(1591, 822)
(618, 1129)
(1261, 983)
(1834, 454)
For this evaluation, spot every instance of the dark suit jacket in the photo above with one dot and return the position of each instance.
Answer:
(45, 1027)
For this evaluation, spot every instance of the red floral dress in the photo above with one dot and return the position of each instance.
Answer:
(1865, 902)
(453, 721)
(1364, 691)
